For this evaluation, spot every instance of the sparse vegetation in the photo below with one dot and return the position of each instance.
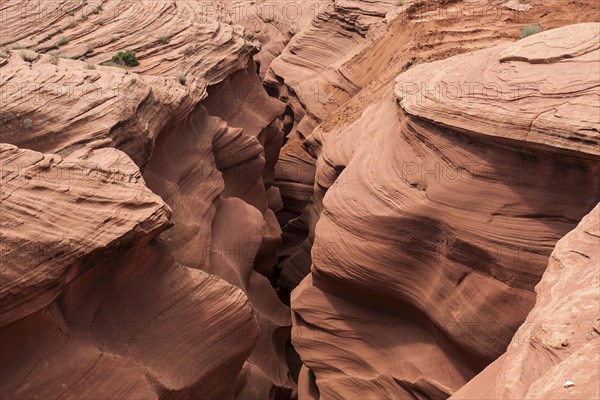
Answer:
(84, 17)
(28, 56)
(63, 40)
(19, 46)
(182, 78)
(125, 59)
(72, 24)
(89, 49)
(53, 58)
(399, 3)
(530, 30)
(90, 66)
(114, 38)
(97, 10)
(71, 13)
(163, 39)
(409, 63)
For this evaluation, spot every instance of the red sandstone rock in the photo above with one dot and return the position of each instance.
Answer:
(145, 208)
(555, 353)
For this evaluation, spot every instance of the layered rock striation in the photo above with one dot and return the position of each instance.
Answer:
(443, 227)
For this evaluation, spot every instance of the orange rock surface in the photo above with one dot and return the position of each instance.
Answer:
(331, 199)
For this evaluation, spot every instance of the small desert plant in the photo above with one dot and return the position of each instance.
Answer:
(63, 40)
(409, 63)
(72, 24)
(90, 66)
(163, 39)
(53, 58)
(64, 56)
(89, 49)
(28, 56)
(399, 3)
(97, 10)
(84, 17)
(530, 30)
(19, 46)
(125, 58)
(182, 78)
(114, 38)
(71, 13)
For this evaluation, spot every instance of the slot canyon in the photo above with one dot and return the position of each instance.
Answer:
(299, 200)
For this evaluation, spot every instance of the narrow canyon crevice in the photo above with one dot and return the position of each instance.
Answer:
(336, 199)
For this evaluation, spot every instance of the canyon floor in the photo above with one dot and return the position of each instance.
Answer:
(325, 199)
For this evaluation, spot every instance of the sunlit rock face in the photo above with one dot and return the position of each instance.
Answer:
(444, 226)
(279, 200)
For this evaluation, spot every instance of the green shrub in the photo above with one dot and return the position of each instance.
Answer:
(530, 30)
(89, 49)
(63, 40)
(182, 78)
(125, 58)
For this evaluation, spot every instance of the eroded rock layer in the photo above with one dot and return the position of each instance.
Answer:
(90, 306)
(555, 353)
(442, 227)
(195, 118)
(152, 229)
(421, 32)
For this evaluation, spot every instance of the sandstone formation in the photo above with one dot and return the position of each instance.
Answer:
(90, 306)
(560, 339)
(299, 200)
(394, 231)
(219, 124)
(422, 32)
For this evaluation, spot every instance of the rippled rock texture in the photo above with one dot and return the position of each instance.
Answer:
(91, 307)
(441, 233)
(559, 342)
(156, 217)
(168, 228)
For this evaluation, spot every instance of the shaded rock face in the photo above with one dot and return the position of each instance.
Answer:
(436, 226)
(560, 339)
(90, 306)
(155, 218)
(140, 271)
